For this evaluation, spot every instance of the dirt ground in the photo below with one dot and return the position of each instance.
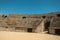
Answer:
(27, 36)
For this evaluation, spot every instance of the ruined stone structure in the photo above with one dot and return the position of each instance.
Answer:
(35, 23)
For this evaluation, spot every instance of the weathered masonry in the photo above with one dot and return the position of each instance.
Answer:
(55, 26)
(35, 23)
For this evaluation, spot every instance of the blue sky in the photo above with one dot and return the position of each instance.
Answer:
(29, 6)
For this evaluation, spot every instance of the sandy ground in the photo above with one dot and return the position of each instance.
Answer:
(27, 36)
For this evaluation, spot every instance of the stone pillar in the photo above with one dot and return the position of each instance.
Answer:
(51, 30)
(40, 27)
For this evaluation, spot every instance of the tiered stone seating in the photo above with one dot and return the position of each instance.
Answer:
(28, 22)
(56, 22)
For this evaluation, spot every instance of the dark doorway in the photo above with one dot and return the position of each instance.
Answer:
(57, 31)
(29, 30)
(47, 24)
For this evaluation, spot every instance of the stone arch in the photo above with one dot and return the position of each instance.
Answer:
(4, 16)
(47, 25)
(43, 16)
(58, 15)
(24, 17)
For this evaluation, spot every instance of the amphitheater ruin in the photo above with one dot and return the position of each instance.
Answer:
(32, 23)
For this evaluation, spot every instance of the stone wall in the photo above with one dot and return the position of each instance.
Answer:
(12, 21)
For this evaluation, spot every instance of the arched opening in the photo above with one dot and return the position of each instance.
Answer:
(4, 16)
(29, 30)
(6, 27)
(47, 25)
(23, 17)
(58, 15)
(43, 16)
